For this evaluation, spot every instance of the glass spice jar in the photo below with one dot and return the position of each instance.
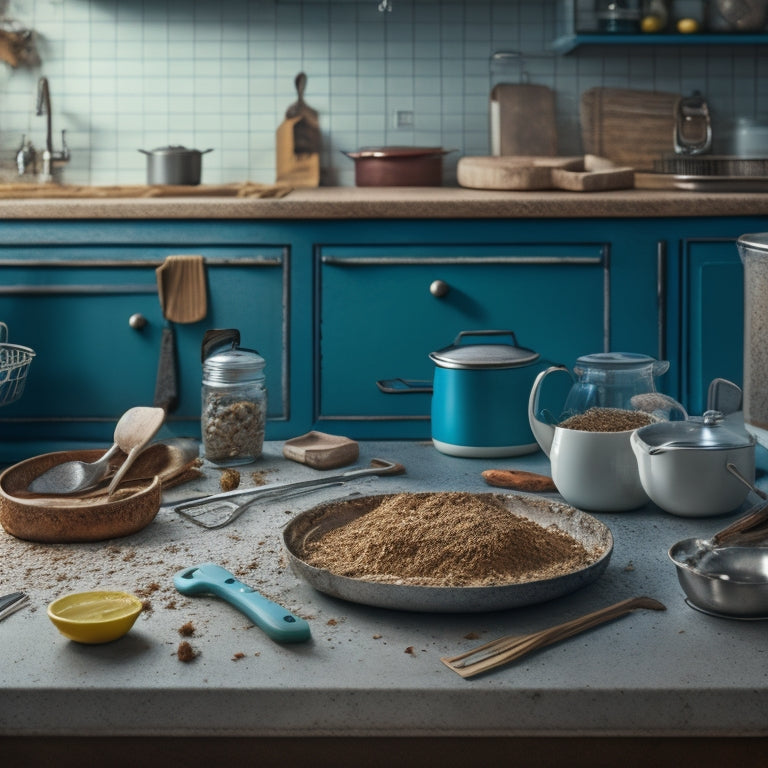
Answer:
(234, 409)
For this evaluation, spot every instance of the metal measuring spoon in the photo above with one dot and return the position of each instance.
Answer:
(133, 431)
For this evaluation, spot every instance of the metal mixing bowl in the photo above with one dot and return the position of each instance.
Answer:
(730, 581)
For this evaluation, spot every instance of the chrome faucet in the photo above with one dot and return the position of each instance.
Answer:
(51, 159)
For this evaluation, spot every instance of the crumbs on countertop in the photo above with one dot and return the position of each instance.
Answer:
(229, 480)
(186, 652)
(187, 630)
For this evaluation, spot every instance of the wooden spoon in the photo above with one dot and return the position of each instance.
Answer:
(134, 430)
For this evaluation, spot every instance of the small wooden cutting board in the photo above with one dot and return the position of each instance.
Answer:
(509, 171)
(575, 174)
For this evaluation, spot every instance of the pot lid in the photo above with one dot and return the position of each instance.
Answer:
(397, 152)
(710, 431)
(171, 150)
(175, 149)
(486, 355)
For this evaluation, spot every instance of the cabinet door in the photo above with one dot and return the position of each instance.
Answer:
(383, 309)
(713, 323)
(93, 318)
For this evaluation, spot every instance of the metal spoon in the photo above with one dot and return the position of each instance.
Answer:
(752, 487)
(133, 431)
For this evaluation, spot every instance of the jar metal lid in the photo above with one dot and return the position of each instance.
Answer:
(234, 365)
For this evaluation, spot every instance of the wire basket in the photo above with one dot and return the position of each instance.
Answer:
(14, 365)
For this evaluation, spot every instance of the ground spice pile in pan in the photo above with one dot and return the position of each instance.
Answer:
(446, 539)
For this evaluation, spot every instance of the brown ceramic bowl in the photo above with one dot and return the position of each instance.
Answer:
(55, 519)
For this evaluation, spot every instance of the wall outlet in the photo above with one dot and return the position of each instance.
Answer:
(403, 118)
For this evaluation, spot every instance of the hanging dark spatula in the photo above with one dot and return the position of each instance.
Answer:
(181, 287)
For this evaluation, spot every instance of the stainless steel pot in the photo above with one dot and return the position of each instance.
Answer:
(174, 165)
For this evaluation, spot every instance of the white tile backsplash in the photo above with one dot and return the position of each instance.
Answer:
(130, 74)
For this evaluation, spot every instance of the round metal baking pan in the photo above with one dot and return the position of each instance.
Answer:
(313, 523)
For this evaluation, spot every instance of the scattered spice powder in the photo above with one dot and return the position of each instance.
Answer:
(607, 420)
(185, 652)
(448, 538)
(187, 630)
(229, 480)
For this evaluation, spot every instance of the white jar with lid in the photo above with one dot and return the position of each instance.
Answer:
(234, 407)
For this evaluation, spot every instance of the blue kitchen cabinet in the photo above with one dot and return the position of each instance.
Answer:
(564, 287)
(397, 303)
(336, 306)
(84, 297)
(712, 338)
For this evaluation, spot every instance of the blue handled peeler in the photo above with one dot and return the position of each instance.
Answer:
(209, 578)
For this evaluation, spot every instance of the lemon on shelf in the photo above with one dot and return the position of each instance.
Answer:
(651, 24)
(687, 26)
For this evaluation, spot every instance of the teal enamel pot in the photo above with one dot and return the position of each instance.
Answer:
(480, 395)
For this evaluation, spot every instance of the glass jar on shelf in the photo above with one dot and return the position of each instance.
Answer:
(619, 16)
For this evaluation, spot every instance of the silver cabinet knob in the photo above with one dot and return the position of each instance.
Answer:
(439, 288)
(137, 321)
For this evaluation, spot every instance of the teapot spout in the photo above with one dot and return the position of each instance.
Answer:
(543, 431)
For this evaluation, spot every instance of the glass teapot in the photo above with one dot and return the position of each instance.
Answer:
(621, 380)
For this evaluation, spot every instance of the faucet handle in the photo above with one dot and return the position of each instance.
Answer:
(63, 156)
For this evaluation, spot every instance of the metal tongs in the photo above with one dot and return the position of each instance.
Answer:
(207, 511)
(11, 603)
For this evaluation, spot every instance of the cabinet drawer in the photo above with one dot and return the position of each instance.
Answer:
(74, 306)
(381, 312)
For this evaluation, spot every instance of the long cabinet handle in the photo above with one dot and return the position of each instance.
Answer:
(388, 261)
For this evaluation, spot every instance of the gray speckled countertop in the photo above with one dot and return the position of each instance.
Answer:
(405, 202)
(368, 671)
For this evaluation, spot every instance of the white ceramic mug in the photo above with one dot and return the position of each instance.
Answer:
(596, 471)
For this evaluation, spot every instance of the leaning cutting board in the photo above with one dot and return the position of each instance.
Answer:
(298, 142)
(629, 127)
(522, 118)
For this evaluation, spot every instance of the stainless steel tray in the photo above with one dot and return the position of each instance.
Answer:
(594, 535)
(721, 183)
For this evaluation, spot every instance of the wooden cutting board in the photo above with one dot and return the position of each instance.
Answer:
(509, 172)
(629, 127)
(593, 174)
(298, 142)
(576, 174)
(522, 117)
